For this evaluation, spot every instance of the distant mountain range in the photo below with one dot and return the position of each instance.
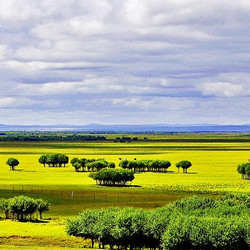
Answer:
(130, 128)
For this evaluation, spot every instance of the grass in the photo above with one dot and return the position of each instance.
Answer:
(213, 172)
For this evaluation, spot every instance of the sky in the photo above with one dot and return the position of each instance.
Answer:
(124, 62)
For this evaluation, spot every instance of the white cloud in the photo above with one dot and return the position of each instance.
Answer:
(160, 58)
(224, 89)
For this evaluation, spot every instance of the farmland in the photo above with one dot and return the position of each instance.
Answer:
(214, 159)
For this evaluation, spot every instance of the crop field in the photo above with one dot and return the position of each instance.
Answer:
(213, 172)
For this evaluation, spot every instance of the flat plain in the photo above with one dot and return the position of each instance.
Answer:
(214, 158)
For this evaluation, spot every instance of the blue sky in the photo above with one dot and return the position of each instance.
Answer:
(124, 62)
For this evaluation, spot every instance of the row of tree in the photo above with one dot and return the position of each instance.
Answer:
(52, 138)
(125, 139)
(23, 207)
(244, 170)
(90, 165)
(190, 223)
(54, 160)
(112, 177)
(153, 165)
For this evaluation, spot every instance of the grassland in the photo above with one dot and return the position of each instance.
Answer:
(213, 172)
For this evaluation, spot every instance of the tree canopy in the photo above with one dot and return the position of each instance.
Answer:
(12, 162)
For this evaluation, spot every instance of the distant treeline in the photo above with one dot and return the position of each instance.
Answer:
(190, 223)
(52, 138)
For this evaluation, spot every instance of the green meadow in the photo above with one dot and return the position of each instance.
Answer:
(214, 159)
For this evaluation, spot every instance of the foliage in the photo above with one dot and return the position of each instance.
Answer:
(145, 165)
(90, 165)
(12, 162)
(54, 160)
(113, 177)
(184, 165)
(20, 207)
(191, 223)
(244, 170)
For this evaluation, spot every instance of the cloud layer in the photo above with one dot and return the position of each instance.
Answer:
(124, 62)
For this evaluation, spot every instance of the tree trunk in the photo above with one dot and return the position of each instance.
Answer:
(92, 243)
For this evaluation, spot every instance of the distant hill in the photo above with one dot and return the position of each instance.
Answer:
(130, 128)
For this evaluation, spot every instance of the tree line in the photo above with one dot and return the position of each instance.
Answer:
(125, 139)
(67, 138)
(153, 165)
(190, 223)
(113, 177)
(244, 170)
(23, 207)
(90, 165)
(54, 160)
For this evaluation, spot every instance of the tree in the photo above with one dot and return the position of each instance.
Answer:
(242, 170)
(111, 176)
(77, 166)
(22, 206)
(111, 165)
(4, 206)
(123, 164)
(184, 165)
(12, 162)
(62, 159)
(247, 169)
(43, 160)
(86, 225)
(42, 206)
(73, 161)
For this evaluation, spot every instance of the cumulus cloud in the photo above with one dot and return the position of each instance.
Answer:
(187, 60)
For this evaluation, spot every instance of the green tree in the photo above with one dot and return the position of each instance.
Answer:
(241, 169)
(43, 160)
(12, 162)
(42, 206)
(4, 206)
(22, 206)
(86, 225)
(111, 165)
(184, 165)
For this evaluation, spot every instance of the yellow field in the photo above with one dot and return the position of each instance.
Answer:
(213, 172)
(214, 164)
